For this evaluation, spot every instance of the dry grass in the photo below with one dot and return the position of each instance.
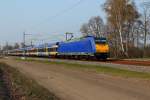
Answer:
(26, 89)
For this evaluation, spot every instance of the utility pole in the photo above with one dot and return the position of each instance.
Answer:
(24, 39)
(6, 48)
(24, 43)
(24, 52)
(31, 43)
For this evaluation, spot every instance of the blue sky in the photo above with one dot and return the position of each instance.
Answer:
(37, 17)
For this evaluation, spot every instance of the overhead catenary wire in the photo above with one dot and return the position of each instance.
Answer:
(59, 36)
(51, 18)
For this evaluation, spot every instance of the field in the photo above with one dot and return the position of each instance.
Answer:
(74, 81)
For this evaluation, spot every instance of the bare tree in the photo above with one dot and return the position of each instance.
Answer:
(138, 30)
(120, 13)
(85, 29)
(22, 45)
(7, 47)
(93, 27)
(96, 25)
(16, 46)
(146, 21)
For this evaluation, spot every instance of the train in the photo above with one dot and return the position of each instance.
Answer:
(86, 47)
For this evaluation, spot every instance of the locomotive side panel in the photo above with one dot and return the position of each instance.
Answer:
(85, 46)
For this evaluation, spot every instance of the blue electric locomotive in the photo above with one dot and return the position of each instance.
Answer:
(87, 46)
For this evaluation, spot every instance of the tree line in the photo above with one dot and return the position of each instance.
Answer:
(126, 28)
(7, 47)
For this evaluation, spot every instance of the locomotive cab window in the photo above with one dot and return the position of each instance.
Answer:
(101, 40)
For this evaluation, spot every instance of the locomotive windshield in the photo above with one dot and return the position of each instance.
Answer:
(101, 40)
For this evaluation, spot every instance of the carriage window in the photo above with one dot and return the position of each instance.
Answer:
(52, 49)
(34, 50)
(41, 50)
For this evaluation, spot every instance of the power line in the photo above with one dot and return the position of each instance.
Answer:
(60, 37)
(50, 18)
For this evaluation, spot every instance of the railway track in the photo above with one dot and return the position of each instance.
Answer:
(132, 62)
(136, 62)
(116, 61)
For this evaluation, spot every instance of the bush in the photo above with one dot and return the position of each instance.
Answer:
(135, 52)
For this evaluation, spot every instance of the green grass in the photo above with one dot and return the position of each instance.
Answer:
(97, 69)
(27, 87)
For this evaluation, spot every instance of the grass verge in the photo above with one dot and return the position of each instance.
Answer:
(96, 68)
(23, 88)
